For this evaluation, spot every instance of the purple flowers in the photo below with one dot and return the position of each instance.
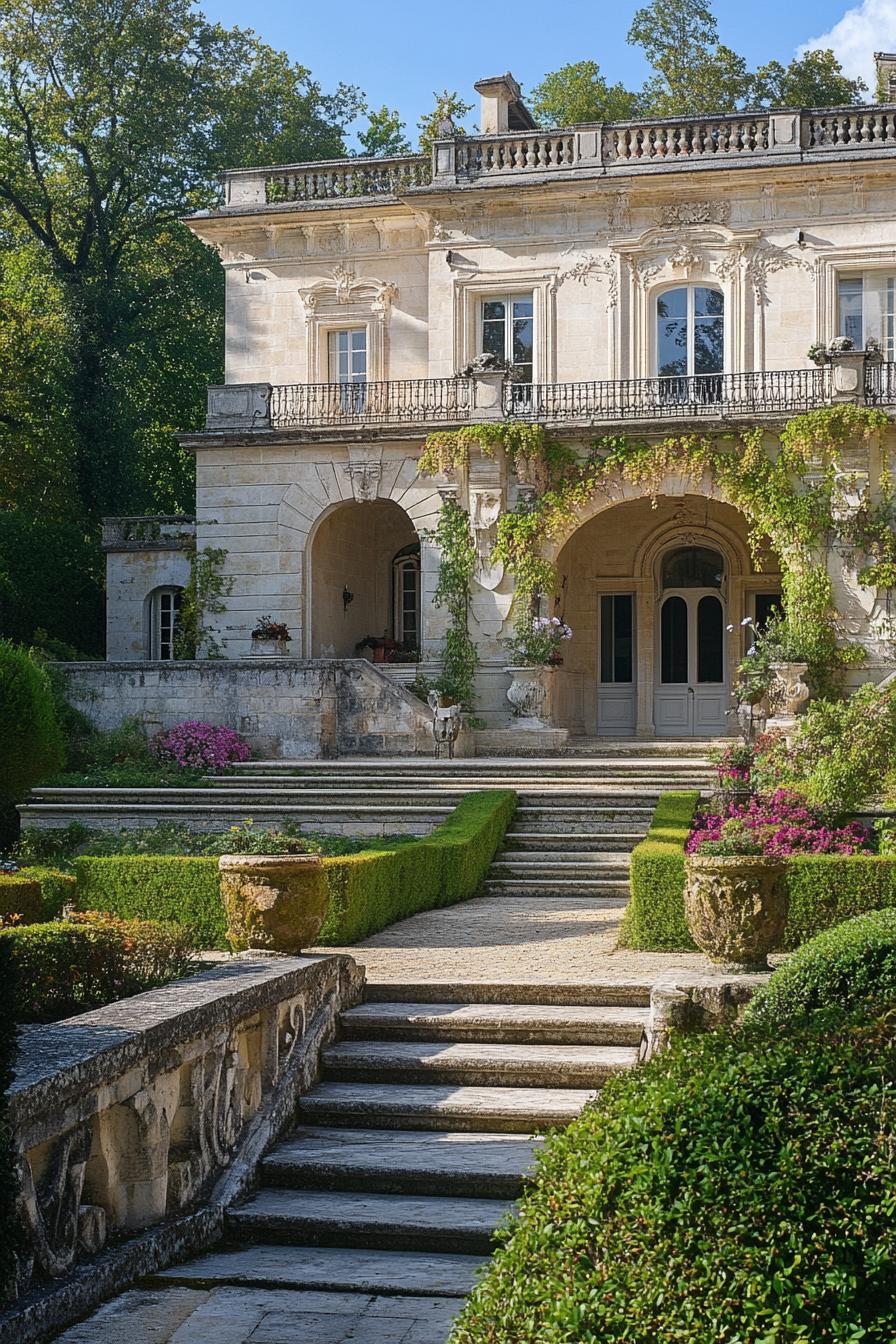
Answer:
(783, 824)
(199, 746)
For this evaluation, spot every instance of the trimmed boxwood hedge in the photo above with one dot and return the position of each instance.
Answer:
(654, 918)
(736, 1190)
(53, 888)
(824, 889)
(368, 891)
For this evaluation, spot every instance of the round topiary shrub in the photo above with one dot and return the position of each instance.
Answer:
(850, 967)
(736, 1190)
(29, 730)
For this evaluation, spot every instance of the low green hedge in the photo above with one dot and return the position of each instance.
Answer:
(826, 889)
(66, 968)
(654, 918)
(368, 891)
(36, 893)
(737, 1188)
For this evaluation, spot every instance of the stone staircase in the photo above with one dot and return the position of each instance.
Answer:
(417, 1140)
(606, 798)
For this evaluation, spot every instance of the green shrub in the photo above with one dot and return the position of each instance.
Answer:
(851, 967)
(67, 968)
(56, 889)
(38, 845)
(737, 1190)
(54, 581)
(174, 887)
(29, 732)
(368, 889)
(654, 918)
(826, 889)
(9, 1227)
(20, 898)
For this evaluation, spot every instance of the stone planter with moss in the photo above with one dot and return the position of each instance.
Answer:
(273, 902)
(736, 908)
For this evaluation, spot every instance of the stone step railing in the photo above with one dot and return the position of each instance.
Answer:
(655, 144)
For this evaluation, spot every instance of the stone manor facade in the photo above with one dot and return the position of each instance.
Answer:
(637, 278)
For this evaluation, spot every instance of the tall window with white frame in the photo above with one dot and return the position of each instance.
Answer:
(348, 368)
(164, 622)
(406, 597)
(866, 306)
(508, 332)
(690, 342)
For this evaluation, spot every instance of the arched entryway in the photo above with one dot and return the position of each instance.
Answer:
(364, 589)
(655, 597)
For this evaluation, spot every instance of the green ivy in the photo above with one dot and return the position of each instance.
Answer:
(762, 477)
(203, 596)
(458, 565)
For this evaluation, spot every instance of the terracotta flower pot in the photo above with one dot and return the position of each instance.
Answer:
(736, 908)
(275, 902)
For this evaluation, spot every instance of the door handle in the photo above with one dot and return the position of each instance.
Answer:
(691, 690)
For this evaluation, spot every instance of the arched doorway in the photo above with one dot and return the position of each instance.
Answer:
(691, 694)
(364, 584)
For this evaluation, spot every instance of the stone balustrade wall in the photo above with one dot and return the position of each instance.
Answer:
(152, 1113)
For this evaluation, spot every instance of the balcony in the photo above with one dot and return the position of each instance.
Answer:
(164, 532)
(746, 140)
(318, 408)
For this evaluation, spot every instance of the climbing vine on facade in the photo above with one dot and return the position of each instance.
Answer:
(203, 596)
(790, 488)
(457, 567)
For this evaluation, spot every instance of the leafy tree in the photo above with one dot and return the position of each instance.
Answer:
(578, 93)
(385, 133)
(694, 72)
(448, 107)
(815, 79)
(118, 118)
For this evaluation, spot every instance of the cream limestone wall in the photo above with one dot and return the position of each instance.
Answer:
(131, 576)
(353, 547)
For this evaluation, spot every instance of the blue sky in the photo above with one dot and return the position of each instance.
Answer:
(401, 51)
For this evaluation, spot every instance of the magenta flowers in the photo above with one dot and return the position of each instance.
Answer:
(199, 746)
(783, 824)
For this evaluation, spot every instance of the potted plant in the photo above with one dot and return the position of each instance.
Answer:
(535, 654)
(270, 638)
(733, 766)
(736, 898)
(382, 648)
(274, 902)
(818, 353)
(773, 669)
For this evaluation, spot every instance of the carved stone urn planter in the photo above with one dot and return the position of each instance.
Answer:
(529, 693)
(789, 694)
(736, 908)
(273, 902)
(269, 648)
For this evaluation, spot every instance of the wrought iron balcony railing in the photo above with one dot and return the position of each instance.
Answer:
(410, 401)
(711, 395)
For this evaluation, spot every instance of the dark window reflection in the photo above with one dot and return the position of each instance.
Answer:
(616, 643)
(693, 567)
(674, 641)
(710, 653)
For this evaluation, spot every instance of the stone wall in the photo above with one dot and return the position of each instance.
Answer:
(284, 706)
(153, 1113)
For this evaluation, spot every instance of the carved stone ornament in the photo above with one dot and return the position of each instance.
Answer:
(364, 477)
(486, 506)
(276, 902)
(736, 908)
(344, 286)
(684, 258)
(695, 212)
(600, 267)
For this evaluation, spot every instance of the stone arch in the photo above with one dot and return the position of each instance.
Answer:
(350, 476)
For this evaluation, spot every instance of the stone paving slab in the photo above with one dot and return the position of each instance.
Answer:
(539, 940)
(265, 1316)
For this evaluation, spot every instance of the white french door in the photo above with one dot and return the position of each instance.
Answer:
(691, 694)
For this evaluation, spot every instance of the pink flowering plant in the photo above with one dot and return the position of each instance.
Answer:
(733, 764)
(778, 826)
(199, 746)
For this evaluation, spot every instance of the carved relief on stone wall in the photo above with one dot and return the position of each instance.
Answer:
(601, 268)
(695, 212)
(486, 506)
(344, 286)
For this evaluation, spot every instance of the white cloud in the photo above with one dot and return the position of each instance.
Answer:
(863, 30)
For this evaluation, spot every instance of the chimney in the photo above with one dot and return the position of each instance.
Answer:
(501, 106)
(885, 63)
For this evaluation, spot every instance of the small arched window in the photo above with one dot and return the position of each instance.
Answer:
(406, 597)
(693, 567)
(690, 331)
(163, 623)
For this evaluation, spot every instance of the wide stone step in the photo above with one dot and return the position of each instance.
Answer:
(520, 863)
(599, 888)
(579, 820)
(624, 992)
(368, 1221)
(334, 1269)
(509, 1023)
(475, 1064)
(524, 842)
(290, 784)
(437, 1106)
(429, 1162)
(335, 819)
